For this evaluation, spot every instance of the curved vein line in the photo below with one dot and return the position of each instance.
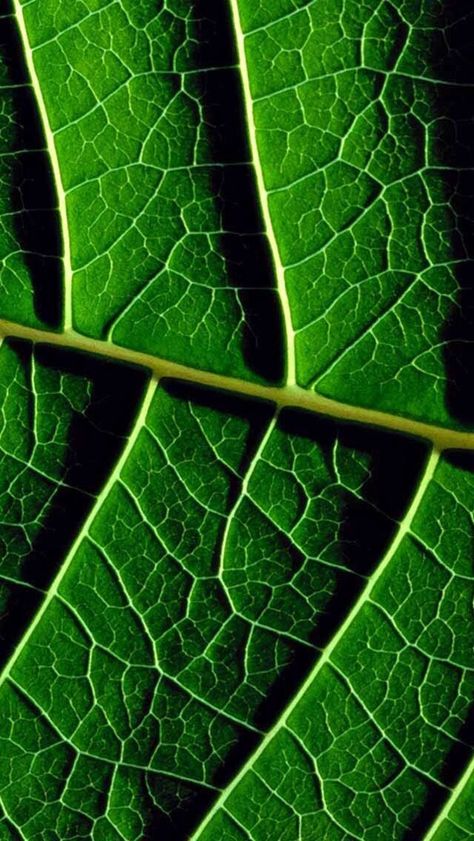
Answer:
(116, 763)
(371, 716)
(456, 791)
(54, 588)
(325, 658)
(53, 157)
(263, 196)
(241, 495)
(285, 397)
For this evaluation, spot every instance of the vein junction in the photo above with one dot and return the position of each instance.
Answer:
(143, 612)
(289, 396)
(160, 610)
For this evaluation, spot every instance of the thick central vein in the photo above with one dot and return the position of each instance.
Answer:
(263, 196)
(287, 396)
(53, 156)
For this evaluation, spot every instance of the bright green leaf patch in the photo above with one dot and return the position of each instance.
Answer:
(224, 615)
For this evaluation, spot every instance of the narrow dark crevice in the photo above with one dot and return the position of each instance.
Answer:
(367, 522)
(77, 445)
(368, 513)
(244, 246)
(95, 445)
(453, 148)
(27, 177)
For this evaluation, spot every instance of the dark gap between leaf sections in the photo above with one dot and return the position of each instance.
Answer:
(95, 441)
(33, 197)
(452, 59)
(242, 243)
(368, 518)
(364, 533)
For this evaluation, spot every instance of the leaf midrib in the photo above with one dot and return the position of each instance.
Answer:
(290, 395)
(285, 396)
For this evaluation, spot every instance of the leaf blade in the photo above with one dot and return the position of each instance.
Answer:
(178, 654)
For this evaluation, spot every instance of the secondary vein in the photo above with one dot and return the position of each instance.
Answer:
(325, 658)
(263, 196)
(53, 156)
(54, 588)
(287, 396)
(456, 792)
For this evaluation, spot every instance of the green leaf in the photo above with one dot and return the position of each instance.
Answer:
(236, 443)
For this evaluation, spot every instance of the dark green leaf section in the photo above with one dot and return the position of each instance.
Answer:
(146, 112)
(371, 746)
(30, 276)
(62, 426)
(221, 560)
(363, 114)
(458, 825)
(261, 632)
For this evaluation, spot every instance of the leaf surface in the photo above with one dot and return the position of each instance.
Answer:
(228, 231)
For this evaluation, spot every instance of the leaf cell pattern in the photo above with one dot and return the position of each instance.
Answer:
(223, 614)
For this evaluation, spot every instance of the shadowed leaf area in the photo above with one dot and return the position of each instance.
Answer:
(30, 280)
(220, 619)
(63, 426)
